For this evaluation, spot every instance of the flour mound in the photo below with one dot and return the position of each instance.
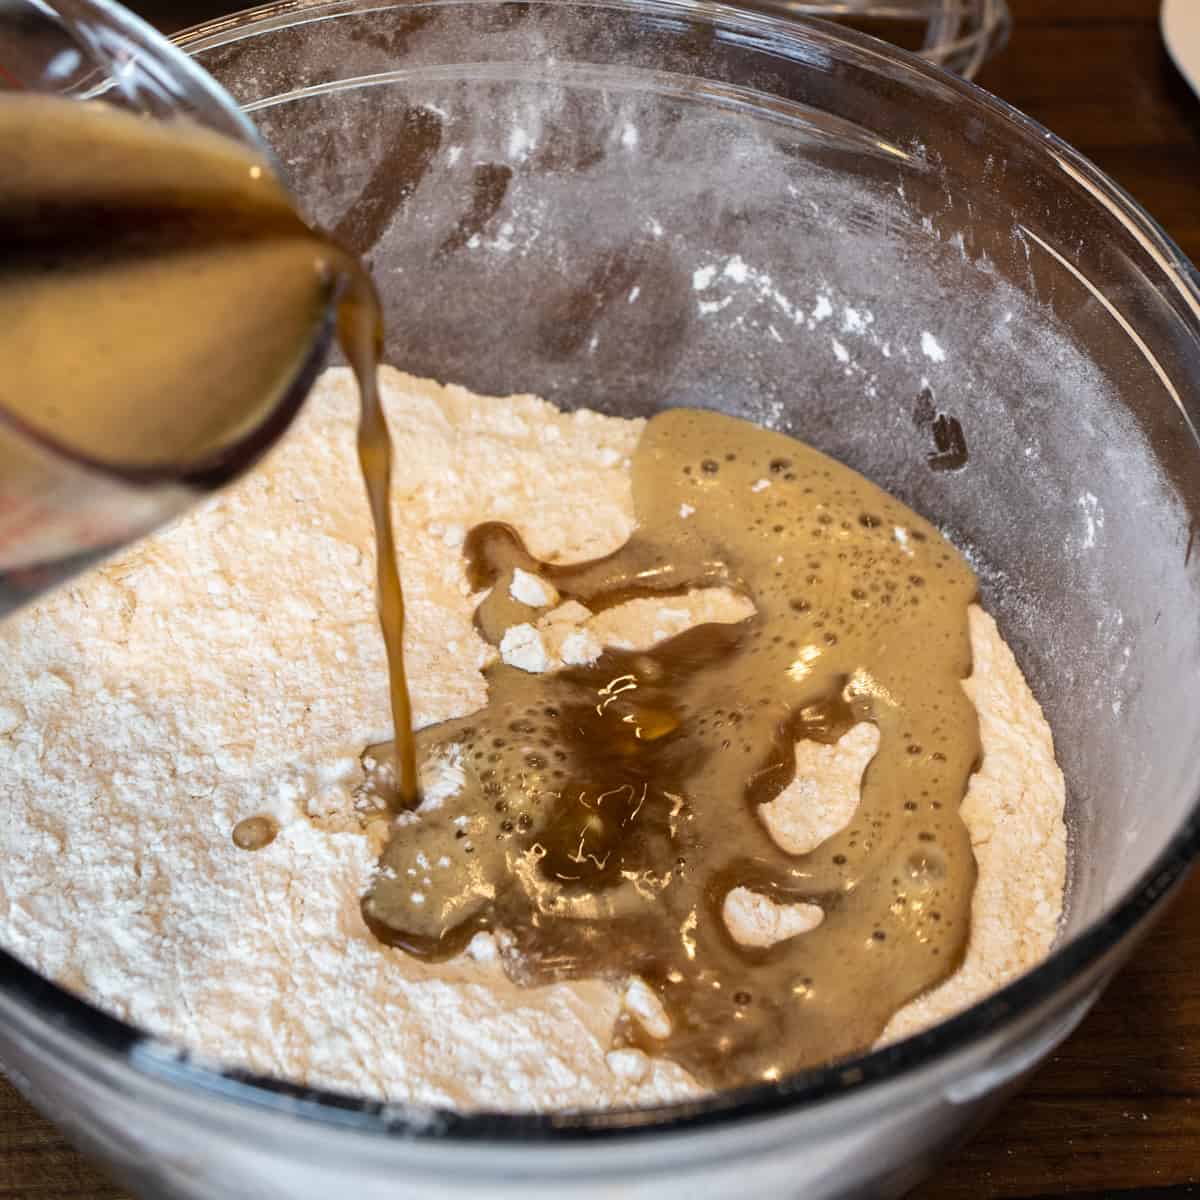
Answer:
(232, 666)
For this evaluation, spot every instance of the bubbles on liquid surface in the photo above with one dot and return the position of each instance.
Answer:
(631, 787)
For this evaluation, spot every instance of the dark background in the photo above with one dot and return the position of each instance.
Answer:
(1116, 1112)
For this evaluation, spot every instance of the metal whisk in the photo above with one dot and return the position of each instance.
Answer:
(960, 35)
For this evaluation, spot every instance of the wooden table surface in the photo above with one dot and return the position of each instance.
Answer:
(1117, 1110)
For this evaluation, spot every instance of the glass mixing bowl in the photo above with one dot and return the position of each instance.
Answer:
(629, 204)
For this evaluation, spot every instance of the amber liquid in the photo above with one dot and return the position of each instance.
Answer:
(161, 301)
(609, 810)
(360, 330)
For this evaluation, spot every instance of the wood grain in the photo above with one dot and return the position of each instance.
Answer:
(1109, 88)
(36, 1161)
(1116, 1113)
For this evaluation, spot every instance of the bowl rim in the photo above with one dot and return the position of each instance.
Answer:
(1066, 964)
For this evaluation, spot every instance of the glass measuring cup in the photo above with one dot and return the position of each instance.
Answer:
(60, 508)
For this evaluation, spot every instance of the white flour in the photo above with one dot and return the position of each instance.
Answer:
(232, 666)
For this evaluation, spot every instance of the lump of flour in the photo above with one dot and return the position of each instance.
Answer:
(231, 667)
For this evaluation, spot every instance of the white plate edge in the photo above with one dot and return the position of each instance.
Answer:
(1180, 23)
